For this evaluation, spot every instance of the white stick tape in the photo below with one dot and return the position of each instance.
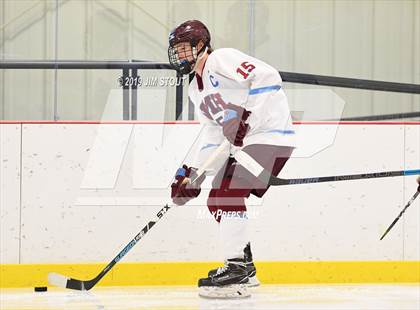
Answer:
(249, 163)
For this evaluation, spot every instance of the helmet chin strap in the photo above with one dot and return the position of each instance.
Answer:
(201, 55)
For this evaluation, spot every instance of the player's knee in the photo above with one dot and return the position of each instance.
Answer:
(212, 204)
(223, 203)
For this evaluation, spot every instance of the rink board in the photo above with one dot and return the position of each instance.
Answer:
(76, 192)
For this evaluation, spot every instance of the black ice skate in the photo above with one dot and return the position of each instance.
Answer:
(230, 281)
(250, 267)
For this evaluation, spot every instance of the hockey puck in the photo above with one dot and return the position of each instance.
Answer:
(40, 289)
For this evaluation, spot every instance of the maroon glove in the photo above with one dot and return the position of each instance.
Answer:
(234, 126)
(182, 190)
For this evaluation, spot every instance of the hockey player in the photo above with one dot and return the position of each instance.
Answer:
(238, 98)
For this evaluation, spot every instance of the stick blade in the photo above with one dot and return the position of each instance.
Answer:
(57, 280)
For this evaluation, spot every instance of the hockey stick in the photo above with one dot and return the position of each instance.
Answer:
(403, 210)
(81, 285)
(265, 176)
(74, 284)
(272, 180)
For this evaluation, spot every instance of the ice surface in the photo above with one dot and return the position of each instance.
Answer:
(302, 297)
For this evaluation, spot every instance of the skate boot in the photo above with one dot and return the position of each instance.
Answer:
(250, 267)
(230, 281)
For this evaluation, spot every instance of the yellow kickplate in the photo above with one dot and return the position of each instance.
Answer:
(187, 273)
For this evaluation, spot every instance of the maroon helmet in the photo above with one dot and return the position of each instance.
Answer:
(192, 31)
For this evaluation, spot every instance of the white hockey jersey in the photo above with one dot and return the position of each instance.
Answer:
(230, 76)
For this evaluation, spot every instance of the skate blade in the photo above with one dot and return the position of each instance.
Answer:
(253, 282)
(224, 292)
